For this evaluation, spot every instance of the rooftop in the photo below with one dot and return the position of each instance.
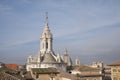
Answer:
(48, 58)
(44, 70)
(67, 75)
(84, 68)
(117, 63)
(7, 73)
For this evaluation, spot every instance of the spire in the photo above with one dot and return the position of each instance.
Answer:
(77, 61)
(46, 22)
(66, 52)
(47, 17)
(46, 38)
(46, 30)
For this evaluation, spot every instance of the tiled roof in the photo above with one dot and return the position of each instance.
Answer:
(44, 70)
(84, 68)
(90, 75)
(67, 75)
(5, 76)
(9, 74)
(12, 66)
(48, 58)
(87, 71)
(117, 63)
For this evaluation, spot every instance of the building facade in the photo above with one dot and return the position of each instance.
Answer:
(51, 74)
(97, 64)
(46, 57)
(83, 72)
(115, 70)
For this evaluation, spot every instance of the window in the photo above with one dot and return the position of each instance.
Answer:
(114, 78)
(118, 70)
(52, 78)
(114, 70)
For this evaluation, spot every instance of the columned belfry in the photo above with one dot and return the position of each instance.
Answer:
(46, 39)
(46, 57)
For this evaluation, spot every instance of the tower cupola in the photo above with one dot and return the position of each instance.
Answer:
(46, 39)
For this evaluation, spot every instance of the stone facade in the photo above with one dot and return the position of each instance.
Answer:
(97, 64)
(107, 73)
(51, 74)
(83, 72)
(115, 70)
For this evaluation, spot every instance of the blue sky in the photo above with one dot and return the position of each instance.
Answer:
(89, 29)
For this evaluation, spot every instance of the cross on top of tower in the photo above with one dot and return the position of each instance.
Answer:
(46, 17)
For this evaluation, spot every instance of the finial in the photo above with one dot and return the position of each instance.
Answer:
(66, 50)
(47, 17)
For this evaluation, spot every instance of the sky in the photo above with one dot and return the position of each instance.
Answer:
(88, 29)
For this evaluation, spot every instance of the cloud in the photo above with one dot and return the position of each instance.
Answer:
(4, 8)
(94, 42)
(101, 46)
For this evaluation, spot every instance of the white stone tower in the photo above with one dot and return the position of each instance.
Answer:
(46, 57)
(46, 39)
(77, 61)
(67, 58)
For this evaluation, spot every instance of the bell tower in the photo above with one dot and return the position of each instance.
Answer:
(46, 39)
